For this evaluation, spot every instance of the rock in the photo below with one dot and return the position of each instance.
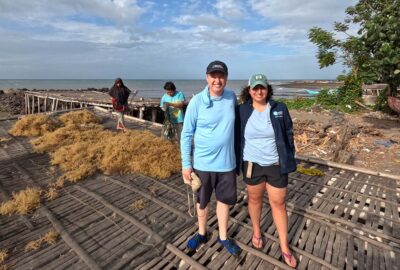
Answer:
(12, 103)
(9, 91)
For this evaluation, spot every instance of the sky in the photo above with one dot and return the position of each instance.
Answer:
(165, 39)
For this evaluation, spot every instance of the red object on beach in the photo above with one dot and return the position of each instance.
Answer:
(118, 108)
(394, 103)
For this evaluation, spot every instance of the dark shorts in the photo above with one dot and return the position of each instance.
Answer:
(224, 184)
(270, 174)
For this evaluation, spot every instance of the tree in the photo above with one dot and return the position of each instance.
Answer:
(374, 53)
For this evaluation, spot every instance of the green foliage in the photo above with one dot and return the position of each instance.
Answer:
(349, 93)
(343, 98)
(381, 103)
(341, 77)
(298, 103)
(374, 54)
(327, 98)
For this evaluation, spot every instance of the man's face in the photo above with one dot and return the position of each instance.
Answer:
(216, 82)
(170, 92)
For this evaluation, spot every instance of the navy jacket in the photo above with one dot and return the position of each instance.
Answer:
(283, 128)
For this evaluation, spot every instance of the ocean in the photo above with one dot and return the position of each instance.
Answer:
(146, 88)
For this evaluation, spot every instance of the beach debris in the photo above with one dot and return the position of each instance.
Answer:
(33, 125)
(138, 204)
(51, 194)
(27, 200)
(33, 245)
(153, 190)
(385, 143)
(49, 238)
(4, 139)
(22, 202)
(309, 171)
(3, 255)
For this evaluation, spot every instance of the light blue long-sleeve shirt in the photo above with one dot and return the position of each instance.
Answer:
(210, 121)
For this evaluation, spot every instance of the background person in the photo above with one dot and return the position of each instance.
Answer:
(172, 102)
(265, 150)
(119, 96)
(210, 120)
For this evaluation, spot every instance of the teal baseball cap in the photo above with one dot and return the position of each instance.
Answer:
(258, 79)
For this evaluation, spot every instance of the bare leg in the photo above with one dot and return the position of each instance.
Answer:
(256, 194)
(202, 216)
(277, 200)
(223, 216)
(121, 121)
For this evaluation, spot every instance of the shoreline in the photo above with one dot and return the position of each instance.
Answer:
(312, 84)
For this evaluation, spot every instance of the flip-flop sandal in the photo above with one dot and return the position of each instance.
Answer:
(288, 257)
(259, 242)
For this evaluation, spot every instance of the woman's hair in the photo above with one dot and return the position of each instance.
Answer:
(245, 94)
(169, 86)
(119, 80)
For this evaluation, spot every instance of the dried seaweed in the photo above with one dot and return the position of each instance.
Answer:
(22, 202)
(33, 125)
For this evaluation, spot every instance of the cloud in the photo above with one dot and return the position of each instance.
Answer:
(301, 13)
(205, 19)
(230, 9)
(89, 37)
(121, 11)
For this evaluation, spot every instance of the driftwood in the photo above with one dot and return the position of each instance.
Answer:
(341, 155)
(363, 106)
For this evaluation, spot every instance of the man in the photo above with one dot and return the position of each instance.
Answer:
(209, 120)
(172, 103)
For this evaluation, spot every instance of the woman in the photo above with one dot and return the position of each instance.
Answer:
(119, 96)
(265, 151)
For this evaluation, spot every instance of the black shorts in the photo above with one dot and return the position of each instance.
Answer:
(270, 174)
(224, 184)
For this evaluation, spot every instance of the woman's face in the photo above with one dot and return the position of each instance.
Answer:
(258, 93)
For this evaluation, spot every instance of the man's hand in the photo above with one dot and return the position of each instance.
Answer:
(187, 179)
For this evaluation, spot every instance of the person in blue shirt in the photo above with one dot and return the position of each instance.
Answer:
(209, 122)
(172, 102)
(265, 154)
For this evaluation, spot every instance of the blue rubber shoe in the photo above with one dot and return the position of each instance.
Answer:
(231, 246)
(196, 241)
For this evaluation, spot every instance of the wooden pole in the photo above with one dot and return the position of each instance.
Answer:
(26, 103)
(29, 104)
(55, 108)
(153, 115)
(33, 104)
(346, 167)
(38, 104)
(141, 112)
(45, 104)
